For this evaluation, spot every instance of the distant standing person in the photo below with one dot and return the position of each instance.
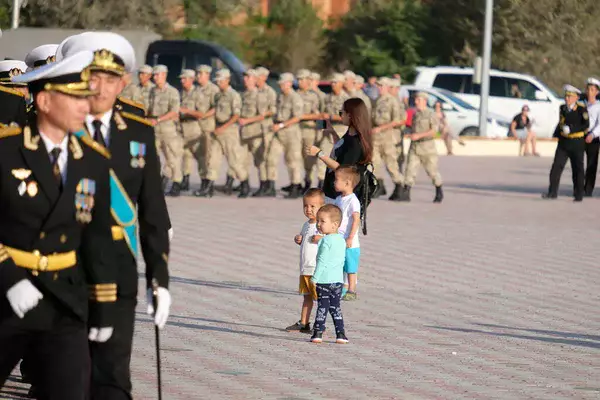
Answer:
(444, 129)
(521, 129)
(592, 139)
(573, 123)
(403, 94)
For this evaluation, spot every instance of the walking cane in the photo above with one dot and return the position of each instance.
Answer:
(157, 336)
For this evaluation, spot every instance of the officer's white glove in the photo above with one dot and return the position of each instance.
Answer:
(566, 130)
(100, 335)
(23, 296)
(162, 308)
(170, 234)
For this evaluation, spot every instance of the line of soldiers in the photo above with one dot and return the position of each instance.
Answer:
(80, 193)
(207, 121)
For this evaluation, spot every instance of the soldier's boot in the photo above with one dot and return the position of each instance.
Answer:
(287, 188)
(405, 196)
(237, 188)
(175, 190)
(295, 192)
(270, 190)
(228, 188)
(207, 191)
(398, 191)
(244, 189)
(320, 184)
(185, 183)
(261, 189)
(203, 184)
(163, 182)
(439, 194)
(307, 185)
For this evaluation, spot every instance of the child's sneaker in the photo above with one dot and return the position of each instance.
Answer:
(317, 337)
(306, 328)
(341, 338)
(350, 296)
(298, 326)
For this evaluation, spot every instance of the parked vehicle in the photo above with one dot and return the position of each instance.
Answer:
(463, 118)
(509, 92)
(181, 54)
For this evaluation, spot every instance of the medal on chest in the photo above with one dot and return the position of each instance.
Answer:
(137, 151)
(84, 200)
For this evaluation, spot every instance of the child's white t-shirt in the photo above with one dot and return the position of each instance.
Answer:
(308, 250)
(349, 205)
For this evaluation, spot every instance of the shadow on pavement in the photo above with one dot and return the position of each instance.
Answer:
(230, 285)
(562, 340)
(545, 332)
(538, 190)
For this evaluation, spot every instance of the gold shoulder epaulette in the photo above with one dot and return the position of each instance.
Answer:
(6, 131)
(11, 91)
(94, 145)
(132, 103)
(136, 118)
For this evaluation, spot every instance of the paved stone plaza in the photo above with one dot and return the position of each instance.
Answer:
(491, 295)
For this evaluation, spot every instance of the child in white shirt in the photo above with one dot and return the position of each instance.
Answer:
(346, 179)
(308, 238)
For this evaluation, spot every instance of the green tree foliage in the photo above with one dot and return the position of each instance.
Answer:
(379, 38)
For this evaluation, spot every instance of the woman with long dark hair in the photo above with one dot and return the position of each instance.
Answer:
(353, 149)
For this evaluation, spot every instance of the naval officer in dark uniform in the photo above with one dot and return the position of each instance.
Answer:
(13, 103)
(570, 131)
(136, 184)
(57, 274)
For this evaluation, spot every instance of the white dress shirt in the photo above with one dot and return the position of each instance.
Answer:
(105, 128)
(63, 157)
(594, 116)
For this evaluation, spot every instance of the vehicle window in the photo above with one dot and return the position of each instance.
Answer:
(470, 87)
(499, 87)
(457, 100)
(451, 82)
(521, 89)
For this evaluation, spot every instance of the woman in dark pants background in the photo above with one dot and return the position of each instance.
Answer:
(354, 148)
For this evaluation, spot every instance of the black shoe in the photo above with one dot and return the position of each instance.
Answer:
(298, 326)
(295, 192)
(208, 190)
(261, 189)
(405, 196)
(306, 329)
(164, 181)
(439, 194)
(548, 196)
(228, 188)
(175, 190)
(185, 183)
(588, 193)
(203, 184)
(270, 189)
(397, 194)
(244, 189)
(287, 188)
(307, 185)
(341, 338)
(320, 184)
(317, 337)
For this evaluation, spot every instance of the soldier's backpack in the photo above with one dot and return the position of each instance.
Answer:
(364, 191)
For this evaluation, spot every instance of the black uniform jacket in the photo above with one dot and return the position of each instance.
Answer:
(130, 106)
(36, 216)
(142, 182)
(576, 119)
(12, 106)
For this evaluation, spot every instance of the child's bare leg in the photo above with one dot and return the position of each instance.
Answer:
(352, 282)
(307, 306)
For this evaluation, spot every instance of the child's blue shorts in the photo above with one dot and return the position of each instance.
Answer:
(352, 260)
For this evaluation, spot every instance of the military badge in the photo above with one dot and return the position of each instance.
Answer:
(32, 188)
(138, 152)
(84, 200)
(21, 173)
(22, 188)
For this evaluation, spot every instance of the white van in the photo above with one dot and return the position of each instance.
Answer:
(509, 92)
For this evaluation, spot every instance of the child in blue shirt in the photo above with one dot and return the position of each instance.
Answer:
(329, 273)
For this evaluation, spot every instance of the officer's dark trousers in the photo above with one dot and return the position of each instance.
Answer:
(57, 349)
(111, 376)
(591, 154)
(573, 150)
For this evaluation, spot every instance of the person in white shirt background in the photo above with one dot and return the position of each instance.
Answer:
(592, 139)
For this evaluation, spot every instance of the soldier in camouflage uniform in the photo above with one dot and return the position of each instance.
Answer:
(387, 117)
(288, 137)
(267, 102)
(188, 120)
(132, 91)
(250, 121)
(207, 92)
(311, 113)
(163, 113)
(315, 79)
(226, 140)
(394, 91)
(333, 105)
(422, 149)
(145, 84)
(350, 88)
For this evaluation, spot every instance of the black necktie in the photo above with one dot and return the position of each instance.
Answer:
(98, 137)
(55, 152)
